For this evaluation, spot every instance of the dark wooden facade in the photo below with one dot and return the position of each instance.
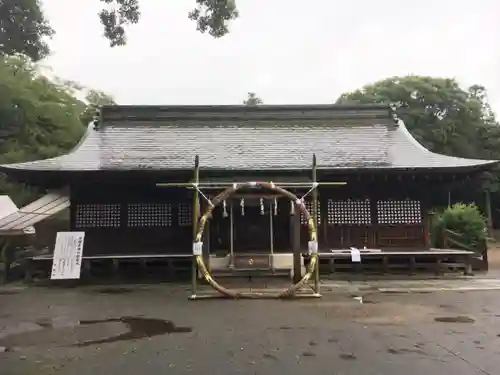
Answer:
(373, 211)
(112, 175)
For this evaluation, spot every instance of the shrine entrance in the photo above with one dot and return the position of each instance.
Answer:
(252, 227)
(252, 232)
(262, 260)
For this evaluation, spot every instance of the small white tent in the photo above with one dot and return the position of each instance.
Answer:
(9, 209)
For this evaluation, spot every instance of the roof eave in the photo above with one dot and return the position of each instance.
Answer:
(15, 168)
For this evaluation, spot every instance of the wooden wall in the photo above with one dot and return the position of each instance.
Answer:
(377, 216)
(134, 219)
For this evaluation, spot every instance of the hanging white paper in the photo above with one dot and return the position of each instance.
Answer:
(68, 252)
(355, 255)
(197, 248)
(312, 247)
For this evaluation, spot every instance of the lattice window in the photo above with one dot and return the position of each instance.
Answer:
(351, 211)
(184, 214)
(309, 207)
(399, 212)
(149, 215)
(97, 216)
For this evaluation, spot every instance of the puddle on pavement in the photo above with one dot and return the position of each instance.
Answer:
(269, 355)
(308, 354)
(454, 319)
(8, 292)
(404, 351)
(138, 328)
(90, 332)
(116, 290)
(347, 356)
(407, 291)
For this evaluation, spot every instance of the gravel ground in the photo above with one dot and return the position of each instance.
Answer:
(151, 329)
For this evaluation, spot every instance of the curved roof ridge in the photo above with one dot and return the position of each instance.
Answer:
(90, 129)
(432, 157)
(79, 145)
(403, 129)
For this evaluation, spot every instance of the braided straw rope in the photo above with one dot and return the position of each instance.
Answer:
(287, 293)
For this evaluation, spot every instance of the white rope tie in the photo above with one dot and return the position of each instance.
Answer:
(203, 195)
(314, 186)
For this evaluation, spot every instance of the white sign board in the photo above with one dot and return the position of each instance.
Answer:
(67, 262)
(355, 255)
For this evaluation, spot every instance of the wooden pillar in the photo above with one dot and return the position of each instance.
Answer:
(5, 260)
(487, 208)
(375, 196)
(297, 267)
(315, 218)
(196, 208)
(206, 245)
(427, 226)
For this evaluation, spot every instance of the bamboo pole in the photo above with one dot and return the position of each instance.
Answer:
(218, 185)
(196, 207)
(315, 218)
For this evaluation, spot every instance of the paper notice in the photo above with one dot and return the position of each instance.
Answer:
(355, 255)
(67, 261)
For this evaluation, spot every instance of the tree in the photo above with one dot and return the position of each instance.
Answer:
(39, 118)
(253, 99)
(211, 16)
(23, 29)
(94, 99)
(439, 113)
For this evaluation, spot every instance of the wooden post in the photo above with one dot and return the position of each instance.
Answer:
(271, 236)
(5, 259)
(297, 267)
(427, 229)
(315, 218)
(231, 235)
(196, 207)
(487, 206)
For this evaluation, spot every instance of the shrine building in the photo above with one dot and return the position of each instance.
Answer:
(127, 181)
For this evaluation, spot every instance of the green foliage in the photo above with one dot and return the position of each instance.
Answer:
(94, 100)
(39, 118)
(211, 16)
(252, 99)
(116, 17)
(23, 29)
(439, 114)
(465, 225)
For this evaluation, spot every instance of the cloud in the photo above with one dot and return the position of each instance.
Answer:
(282, 50)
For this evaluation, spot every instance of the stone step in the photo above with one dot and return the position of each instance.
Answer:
(251, 272)
(252, 261)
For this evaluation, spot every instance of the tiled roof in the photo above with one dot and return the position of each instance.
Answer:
(247, 139)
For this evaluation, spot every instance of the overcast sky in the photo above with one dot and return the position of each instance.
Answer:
(285, 51)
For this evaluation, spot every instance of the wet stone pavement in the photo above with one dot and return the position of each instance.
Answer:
(151, 329)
